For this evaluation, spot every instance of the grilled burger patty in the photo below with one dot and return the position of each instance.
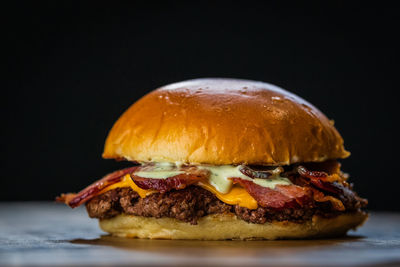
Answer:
(194, 202)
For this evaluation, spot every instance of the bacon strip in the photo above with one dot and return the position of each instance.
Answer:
(75, 200)
(330, 166)
(283, 196)
(319, 179)
(320, 197)
(177, 182)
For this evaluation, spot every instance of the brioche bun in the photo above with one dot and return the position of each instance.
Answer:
(223, 121)
(228, 226)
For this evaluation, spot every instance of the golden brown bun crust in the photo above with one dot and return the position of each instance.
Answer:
(228, 226)
(223, 121)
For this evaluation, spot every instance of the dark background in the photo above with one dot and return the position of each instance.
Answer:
(72, 69)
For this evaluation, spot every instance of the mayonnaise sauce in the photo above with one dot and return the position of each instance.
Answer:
(218, 178)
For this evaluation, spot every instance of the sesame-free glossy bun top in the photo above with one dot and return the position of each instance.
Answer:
(223, 121)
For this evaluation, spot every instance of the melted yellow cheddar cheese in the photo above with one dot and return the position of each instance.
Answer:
(127, 182)
(236, 196)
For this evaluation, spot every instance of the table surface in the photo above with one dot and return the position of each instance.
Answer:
(44, 233)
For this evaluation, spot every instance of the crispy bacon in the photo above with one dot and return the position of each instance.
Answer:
(311, 174)
(75, 200)
(318, 196)
(177, 182)
(309, 187)
(330, 166)
(283, 196)
(319, 179)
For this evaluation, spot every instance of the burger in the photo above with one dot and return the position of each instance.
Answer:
(216, 159)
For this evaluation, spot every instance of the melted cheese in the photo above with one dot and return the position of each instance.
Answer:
(127, 182)
(218, 183)
(219, 176)
(236, 196)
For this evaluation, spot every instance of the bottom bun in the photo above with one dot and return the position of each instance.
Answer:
(228, 226)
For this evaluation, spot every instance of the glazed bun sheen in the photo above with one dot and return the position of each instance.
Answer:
(224, 121)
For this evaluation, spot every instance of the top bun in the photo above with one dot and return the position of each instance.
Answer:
(223, 121)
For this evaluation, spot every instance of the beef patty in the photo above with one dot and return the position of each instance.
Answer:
(194, 202)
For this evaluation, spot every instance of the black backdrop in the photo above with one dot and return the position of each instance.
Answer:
(72, 69)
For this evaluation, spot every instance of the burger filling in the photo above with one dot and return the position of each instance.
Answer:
(256, 194)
